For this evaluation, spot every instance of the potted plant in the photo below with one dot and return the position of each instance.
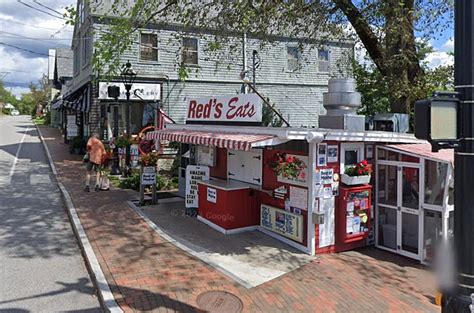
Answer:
(78, 145)
(149, 159)
(358, 174)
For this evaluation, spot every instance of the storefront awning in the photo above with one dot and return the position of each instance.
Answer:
(79, 101)
(56, 105)
(232, 141)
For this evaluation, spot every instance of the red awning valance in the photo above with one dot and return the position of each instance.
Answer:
(232, 141)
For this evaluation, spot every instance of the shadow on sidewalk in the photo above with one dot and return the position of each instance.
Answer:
(145, 300)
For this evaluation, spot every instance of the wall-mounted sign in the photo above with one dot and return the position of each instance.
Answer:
(148, 175)
(194, 174)
(206, 155)
(236, 108)
(299, 198)
(284, 223)
(211, 195)
(327, 175)
(302, 178)
(145, 91)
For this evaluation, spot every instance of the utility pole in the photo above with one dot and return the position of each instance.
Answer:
(244, 61)
(459, 300)
(254, 68)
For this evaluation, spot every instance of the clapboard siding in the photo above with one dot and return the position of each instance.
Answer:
(298, 95)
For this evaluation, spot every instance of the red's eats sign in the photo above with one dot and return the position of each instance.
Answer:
(238, 108)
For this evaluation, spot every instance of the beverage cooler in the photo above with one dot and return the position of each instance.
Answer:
(352, 217)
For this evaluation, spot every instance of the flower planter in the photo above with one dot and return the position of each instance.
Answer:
(355, 180)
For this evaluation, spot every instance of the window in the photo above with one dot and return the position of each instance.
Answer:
(85, 47)
(190, 51)
(323, 60)
(77, 58)
(435, 182)
(351, 153)
(149, 47)
(292, 58)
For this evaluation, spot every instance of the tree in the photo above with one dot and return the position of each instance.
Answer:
(6, 96)
(388, 29)
(39, 94)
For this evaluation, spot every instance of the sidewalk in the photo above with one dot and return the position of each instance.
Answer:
(145, 272)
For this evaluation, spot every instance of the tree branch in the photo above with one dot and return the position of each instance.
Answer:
(365, 33)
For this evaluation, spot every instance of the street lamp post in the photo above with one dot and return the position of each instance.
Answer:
(128, 76)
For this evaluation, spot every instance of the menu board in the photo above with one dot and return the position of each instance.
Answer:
(194, 174)
(206, 155)
(284, 223)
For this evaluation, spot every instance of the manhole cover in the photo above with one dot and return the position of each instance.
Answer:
(219, 301)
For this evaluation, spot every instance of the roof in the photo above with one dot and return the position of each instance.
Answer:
(424, 150)
(64, 62)
(234, 141)
(308, 134)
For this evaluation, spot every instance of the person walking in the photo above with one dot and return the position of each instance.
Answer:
(96, 151)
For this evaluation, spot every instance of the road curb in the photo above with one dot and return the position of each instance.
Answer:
(106, 296)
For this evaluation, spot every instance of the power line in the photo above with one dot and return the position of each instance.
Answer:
(19, 71)
(31, 51)
(43, 41)
(34, 26)
(39, 10)
(46, 7)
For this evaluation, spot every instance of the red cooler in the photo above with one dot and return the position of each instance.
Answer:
(352, 216)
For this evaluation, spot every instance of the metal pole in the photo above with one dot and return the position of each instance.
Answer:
(127, 120)
(244, 58)
(115, 165)
(458, 300)
(254, 56)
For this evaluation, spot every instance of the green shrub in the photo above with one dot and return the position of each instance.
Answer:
(131, 182)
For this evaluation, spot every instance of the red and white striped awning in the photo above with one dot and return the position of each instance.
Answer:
(232, 141)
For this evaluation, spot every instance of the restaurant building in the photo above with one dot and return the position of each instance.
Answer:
(290, 182)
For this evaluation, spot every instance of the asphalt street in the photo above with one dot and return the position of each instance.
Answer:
(41, 266)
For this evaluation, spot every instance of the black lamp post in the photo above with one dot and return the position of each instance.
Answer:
(128, 76)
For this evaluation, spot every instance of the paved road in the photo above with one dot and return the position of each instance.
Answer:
(41, 267)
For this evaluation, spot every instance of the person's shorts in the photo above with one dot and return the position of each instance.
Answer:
(91, 166)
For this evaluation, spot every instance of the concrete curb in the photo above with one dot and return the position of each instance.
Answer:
(105, 294)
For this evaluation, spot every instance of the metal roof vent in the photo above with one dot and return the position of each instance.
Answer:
(341, 102)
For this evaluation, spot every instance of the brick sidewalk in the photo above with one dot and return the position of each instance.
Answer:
(146, 273)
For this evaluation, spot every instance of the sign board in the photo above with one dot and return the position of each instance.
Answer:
(148, 175)
(281, 222)
(327, 229)
(194, 174)
(302, 178)
(211, 195)
(206, 155)
(72, 130)
(236, 108)
(145, 91)
(134, 153)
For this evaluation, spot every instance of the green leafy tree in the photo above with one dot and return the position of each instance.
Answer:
(386, 29)
(6, 96)
(38, 94)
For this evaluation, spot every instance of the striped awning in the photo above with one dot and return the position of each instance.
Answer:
(232, 141)
(79, 101)
(56, 105)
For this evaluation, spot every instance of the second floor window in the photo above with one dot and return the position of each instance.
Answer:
(149, 47)
(292, 58)
(190, 51)
(323, 61)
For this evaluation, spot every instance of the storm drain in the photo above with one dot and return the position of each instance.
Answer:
(219, 301)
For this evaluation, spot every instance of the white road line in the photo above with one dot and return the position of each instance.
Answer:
(12, 171)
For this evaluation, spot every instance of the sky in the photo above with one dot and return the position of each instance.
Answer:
(46, 31)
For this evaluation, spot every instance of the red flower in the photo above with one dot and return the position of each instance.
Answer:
(360, 172)
(364, 163)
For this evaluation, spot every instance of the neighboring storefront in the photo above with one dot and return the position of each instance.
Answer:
(285, 182)
(145, 99)
(414, 199)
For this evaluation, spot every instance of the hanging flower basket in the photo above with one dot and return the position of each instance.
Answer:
(355, 180)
